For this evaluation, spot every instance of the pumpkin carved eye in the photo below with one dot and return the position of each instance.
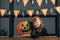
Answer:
(22, 25)
(27, 25)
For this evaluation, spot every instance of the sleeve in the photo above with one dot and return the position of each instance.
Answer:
(36, 35)
(44, 32)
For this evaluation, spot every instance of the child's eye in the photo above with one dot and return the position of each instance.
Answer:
(34, 22)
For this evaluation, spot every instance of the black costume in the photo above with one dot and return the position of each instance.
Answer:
(37, 34)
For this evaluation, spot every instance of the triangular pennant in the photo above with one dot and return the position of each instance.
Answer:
(10, 1)
(16, 12)
(9, 12)
(18, 1)
(39, 2)
(0, 10)
(44, 11)
(30, 12)
(25, 2)
(37, 13)
(33, 2)
(53, 1)
(46, 1)
(23, 14)
(58, 9)
(3, 11)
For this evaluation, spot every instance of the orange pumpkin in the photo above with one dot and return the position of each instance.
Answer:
(23, 27)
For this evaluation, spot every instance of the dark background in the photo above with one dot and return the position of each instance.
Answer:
(4, 4)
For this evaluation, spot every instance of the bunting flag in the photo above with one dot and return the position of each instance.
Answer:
(33, 2)
(37, 13)
(9, 12)
(51, 10)
(16, 12)
(23, 14)
(18, 1)
(0, 10)
(46, 1)
(10, 1)
(44, 11)
(25, 2)
(58, 9)
(3, 11)
(53, 1)
(39, 2)
(30, 12)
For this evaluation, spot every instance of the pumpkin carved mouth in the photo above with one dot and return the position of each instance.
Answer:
(24, 30)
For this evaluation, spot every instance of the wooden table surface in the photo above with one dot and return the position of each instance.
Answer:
(28, 38)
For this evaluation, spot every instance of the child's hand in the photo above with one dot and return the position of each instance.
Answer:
(26, 35)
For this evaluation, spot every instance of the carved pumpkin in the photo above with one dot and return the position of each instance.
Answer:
(23, 27)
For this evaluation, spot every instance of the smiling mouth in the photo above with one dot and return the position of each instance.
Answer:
(24, 30)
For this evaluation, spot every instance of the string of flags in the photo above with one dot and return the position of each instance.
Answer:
(29, 12)
(39, 2)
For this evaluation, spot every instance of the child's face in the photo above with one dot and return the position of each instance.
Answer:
(37, 23)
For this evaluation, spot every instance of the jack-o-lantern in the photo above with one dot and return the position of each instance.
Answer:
(23, 27)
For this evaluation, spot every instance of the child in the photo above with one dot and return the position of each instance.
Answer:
(38, 28)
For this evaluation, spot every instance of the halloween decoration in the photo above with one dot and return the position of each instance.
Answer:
(51, 10)
(39, 2)
(46, 1)
(37, 13)
(10, 1)
(3, 12)
(9, 12)
(44, 11)
(30, 12)
(25, 2)
(16, 12)
(23, 14)
(53, 1)
(58, 9)
(23, 27)
(18, 1)
(33, 2)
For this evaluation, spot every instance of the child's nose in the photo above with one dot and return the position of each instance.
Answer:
(35, 24)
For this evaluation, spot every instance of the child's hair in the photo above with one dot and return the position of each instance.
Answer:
(41, 26)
